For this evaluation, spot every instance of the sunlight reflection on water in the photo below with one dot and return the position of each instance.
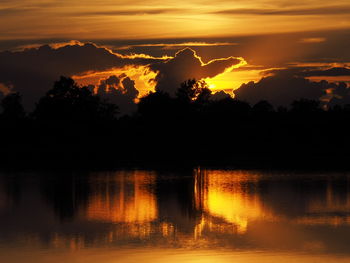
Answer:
(199, 215)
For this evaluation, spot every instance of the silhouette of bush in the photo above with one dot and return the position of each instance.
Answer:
(12, 107)
(71, 123)
(193, 90)
(305, 106)
(263, 107)
(67, 101)
(156, 104)
(229, 108)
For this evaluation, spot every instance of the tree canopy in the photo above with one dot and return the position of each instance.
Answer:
(68, 101)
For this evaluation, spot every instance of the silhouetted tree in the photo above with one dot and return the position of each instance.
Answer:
(204, 95)
(155, 104)
(69, 102)
(12, 107)
(282, 109)
(193, 90)
(346, 107)
(229, 107)
(306, 106)
(190, 127)
(263, 107)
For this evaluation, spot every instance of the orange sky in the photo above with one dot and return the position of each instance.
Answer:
(165, 19)
(266, 34)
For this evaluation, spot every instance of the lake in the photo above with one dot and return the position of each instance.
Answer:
(194, 215)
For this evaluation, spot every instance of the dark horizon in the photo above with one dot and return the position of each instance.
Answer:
(71, 126)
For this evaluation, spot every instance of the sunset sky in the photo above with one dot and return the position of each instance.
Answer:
(231, 43)
(103, 19)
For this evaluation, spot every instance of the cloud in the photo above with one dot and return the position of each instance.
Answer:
(123, 77)
(220, 95)
(33, 71)
(12, 11)
(119, 90)
(20, 10)
(177, 45)
(282, 86)
(282, 89)
(310, 70)
(326, 10)
(188, 65)
(313, 40)
(341, 95)
(336, 71)
(130, 12)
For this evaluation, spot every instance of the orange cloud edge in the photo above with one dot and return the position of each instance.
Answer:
(144, 76)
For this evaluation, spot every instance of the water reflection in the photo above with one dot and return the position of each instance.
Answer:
(333, 208)
(227, 199)
(194, 209)
(126, 198)
(123, 197)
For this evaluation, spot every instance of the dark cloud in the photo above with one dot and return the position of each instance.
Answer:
(269, 50)
(336, 71)
(310, 71)
(33, 71)
(282, 89)
(326, 10)
(341, 95)
(256, 49)
(187, 65)
(220, 95)
(119, 90)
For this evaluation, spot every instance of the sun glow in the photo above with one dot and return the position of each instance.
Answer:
(142, 75)
(232, 80)
(228, 80)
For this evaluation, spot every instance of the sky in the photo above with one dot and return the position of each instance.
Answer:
(166, 19)
(159, 44)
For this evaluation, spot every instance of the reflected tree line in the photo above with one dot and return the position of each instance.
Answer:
(72, 126)
(307, 202)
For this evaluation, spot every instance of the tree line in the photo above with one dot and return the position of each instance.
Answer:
(72, 126)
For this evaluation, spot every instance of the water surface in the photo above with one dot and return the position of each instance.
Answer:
(198, 215)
